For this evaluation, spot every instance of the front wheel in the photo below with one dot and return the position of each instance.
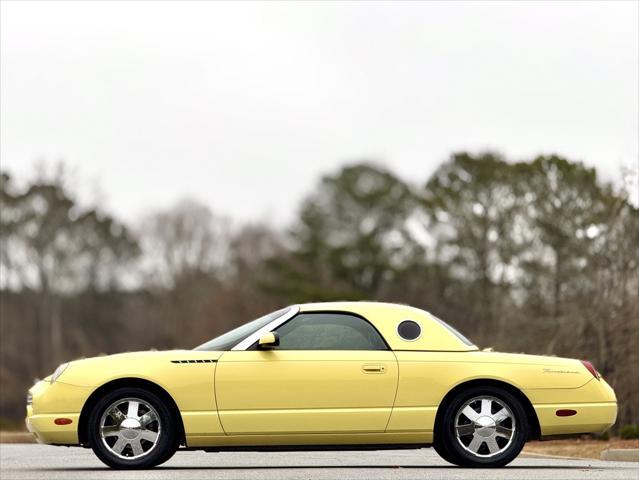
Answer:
(132, 428)
(484, 427)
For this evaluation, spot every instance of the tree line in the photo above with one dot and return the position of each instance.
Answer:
(539, 256)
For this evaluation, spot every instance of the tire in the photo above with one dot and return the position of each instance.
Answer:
(139, 429)
(444, 453)
(492, 426)
(170, 452)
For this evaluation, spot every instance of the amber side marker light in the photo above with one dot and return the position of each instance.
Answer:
(62, 421)
(566, 413)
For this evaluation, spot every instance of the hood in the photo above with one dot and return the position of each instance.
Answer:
(152, 354)
(149, 365)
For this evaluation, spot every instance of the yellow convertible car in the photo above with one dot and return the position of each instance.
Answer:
(347, 375)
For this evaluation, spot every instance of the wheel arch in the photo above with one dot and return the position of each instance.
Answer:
(531, 415)
(83, 436)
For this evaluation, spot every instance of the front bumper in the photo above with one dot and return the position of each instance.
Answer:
(51, 401)
(45, 430)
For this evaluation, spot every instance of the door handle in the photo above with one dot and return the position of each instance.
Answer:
(370, 368)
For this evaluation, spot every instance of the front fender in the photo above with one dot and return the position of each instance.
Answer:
(188, 376)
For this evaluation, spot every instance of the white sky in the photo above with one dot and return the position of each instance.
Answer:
(244, 105)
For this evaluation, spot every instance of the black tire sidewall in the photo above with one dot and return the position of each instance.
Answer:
(467, 459)
(166, 443)
(444, 453)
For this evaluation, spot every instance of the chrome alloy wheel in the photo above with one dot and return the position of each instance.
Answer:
(130, 428)
(485, 426)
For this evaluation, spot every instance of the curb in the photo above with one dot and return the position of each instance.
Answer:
(16, 437)
(558, 457)
(621, 454)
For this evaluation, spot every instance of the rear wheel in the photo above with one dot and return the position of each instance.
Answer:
(132, 428)
(169, 452)
(483, 427)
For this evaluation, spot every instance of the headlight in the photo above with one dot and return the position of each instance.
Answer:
(58, 372)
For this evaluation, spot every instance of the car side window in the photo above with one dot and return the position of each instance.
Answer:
(329, 331)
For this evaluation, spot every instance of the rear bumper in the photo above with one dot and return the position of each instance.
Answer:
(590, 418)
(595, 405)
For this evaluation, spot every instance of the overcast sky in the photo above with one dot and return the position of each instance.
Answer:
(244, 105)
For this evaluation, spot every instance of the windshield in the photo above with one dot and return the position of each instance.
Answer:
(228, 340)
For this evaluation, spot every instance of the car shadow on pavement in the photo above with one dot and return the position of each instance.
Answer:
(303, 467)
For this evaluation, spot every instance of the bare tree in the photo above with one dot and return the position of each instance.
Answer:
(181, 241)
(185, 247)
(48, 241)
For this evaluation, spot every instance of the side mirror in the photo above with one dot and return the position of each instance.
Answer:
(269, 340)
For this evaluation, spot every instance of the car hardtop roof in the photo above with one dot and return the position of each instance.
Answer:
(386, 317)
(355, 306)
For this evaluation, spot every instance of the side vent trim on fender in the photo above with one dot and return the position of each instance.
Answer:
(194, 361)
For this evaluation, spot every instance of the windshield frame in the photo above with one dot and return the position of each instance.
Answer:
(269, 327)
(252, 335)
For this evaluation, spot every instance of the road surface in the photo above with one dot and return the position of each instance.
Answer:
(30, 461)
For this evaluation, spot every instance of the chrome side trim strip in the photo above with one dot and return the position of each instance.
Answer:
(269, 327)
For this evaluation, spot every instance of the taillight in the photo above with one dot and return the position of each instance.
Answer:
(591, 369)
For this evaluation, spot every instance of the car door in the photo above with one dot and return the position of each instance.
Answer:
(332, 372)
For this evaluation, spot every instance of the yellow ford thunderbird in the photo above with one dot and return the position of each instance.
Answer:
(346, 375)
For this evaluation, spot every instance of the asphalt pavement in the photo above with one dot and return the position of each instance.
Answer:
(30, 461)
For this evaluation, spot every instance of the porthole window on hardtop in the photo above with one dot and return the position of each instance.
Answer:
(409, 330)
